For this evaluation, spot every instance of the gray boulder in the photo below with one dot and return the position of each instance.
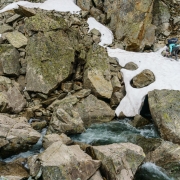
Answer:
(16, 136)
(9, 60)
(164, 107)
(145, 78)
(66, 162)
(119, 161)
(49, 63)
(97, 73)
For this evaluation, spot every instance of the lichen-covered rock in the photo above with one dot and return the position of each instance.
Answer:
(16, 38)
(62, 122)
(16, 135)
(139, 121)
(9, 60)
(97, 73)
(164, 107)
(167, 156)
(145, 78)
(66, 162)
(44, 22)
(119, 161)
(50, 62)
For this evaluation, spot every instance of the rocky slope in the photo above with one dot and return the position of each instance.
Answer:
(53, 71)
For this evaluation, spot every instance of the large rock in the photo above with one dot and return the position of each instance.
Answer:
(167, 156)
(164, 107)
(16, 136)
(11, 99)
(119, 161)
(16, 38)
(66, 162)
(93, 110)
(129, 20)
(13, 171)
(43, 22)
(90, 109)
(62, 122)
(9, 60)
(50, 62)
(145, 78)
(97, 73)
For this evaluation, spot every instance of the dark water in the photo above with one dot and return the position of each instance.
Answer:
(121, 131)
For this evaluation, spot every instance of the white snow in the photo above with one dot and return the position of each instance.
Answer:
(167, 76)
(57, 5)
(106, 34)
(167, 72)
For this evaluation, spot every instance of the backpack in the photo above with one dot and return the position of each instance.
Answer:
(172, 41)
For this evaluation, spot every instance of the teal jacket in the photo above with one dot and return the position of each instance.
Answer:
(171, 47)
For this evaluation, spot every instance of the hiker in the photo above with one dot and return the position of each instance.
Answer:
(174, 48)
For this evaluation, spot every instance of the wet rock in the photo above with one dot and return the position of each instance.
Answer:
(145, 78)
(97, 64)
(119, 161)
(164, 107)
(60, 162)
(139, 121)
(167, 157)
(18, 134)
(9, 60)
(48, 64)
(16, 38)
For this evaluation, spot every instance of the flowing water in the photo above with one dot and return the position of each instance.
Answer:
(36, 149)
(114, 132)
(121, 131)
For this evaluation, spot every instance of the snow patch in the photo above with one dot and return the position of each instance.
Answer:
(106, 34)
(57, 5)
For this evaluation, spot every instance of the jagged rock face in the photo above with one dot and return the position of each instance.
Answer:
(66, 162)
(97, 73)
(167, 157)
(16, 136)
(119, 161)
(164, 107)
(9, 60)
(129, 20)
(50, 62)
